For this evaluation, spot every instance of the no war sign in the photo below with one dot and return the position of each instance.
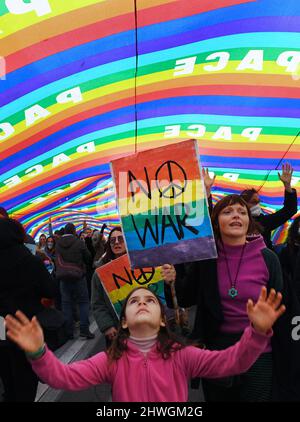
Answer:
(163, 206)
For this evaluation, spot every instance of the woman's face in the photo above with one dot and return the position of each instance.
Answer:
(95, 236)
(233, 221)
(117, 243)
(42, 239)
(50, 243)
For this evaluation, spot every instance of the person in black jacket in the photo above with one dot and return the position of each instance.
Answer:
(72, 250)
(220, 288)
(269, 222)
(290, 256)
(24, 282)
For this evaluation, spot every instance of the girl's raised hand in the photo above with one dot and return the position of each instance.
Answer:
(28, 335)
(266, 310)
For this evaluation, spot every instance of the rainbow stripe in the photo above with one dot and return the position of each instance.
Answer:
(88, 48)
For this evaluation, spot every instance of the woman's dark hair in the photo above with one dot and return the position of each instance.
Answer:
(293, 235)
(247, 194)
(225, 202)
(109, 255)
(167, 341)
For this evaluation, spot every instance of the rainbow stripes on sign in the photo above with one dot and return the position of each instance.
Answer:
(163, 206)
(118, 280)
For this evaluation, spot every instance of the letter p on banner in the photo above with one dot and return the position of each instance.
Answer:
(20, 7)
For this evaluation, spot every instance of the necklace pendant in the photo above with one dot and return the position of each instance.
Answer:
(232, 292)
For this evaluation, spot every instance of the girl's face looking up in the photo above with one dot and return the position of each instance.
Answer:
(143, 314)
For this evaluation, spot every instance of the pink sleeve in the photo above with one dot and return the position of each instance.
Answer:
(75, 376)
(232, 361)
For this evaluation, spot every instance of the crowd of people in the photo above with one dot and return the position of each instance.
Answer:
(240, 343)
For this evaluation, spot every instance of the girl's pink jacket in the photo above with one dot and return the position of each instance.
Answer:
(135, 377)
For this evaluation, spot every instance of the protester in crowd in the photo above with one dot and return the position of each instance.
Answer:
(88, 241)
(99, 244)
(142, 342)
(220, 288)
(50, 248)
(82, 235)
(269, 222)
(49, 252)
(71, 259)
(87, 237)
(42, 243)
(57, 235)
(290, 256)
(24, 282)
(103, 312)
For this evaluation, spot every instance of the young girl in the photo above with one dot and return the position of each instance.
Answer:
(145, 363)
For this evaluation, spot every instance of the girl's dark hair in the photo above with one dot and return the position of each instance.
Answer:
(109, 255)
(167, 341)
(225, 202)
(293, 234)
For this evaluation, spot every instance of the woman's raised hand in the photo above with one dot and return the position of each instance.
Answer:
(266, 310)
(168, 273)
(28, 335)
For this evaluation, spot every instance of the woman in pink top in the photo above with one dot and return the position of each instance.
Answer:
(145, 362)
(220, 289)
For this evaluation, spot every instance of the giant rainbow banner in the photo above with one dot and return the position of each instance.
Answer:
(84, 82)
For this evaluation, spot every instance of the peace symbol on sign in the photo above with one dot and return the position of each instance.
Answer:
(145, 275)
(173, 189)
